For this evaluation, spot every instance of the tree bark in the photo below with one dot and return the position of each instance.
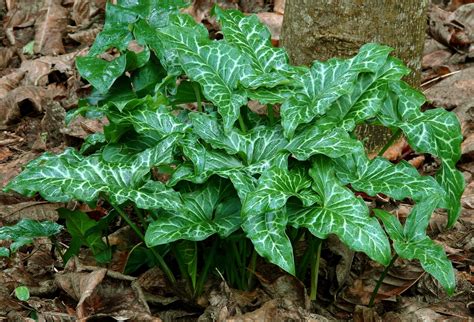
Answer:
(319, 30)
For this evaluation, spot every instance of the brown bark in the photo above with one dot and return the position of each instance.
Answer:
(319, 30)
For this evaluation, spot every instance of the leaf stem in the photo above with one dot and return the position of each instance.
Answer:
(137, 231)
(271, 114)
(205, 270)
(251, 269)
(316, 244)
(243, 127)
(139, 213)
(197, 92)
(392, 139)
(381, 278)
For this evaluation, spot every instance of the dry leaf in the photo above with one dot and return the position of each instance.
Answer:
(455, 29)
(274, 22)
(37, 210)
(49, 28)
(436, 58)
(279, 6)
(9, 82)
(457, 3)
(417, 162)
(5, 153)
(22, 14)
(22, 100)
(103, 293)
(467, 147)
(85, 37)
(395, 151)
(81, 11)
(6, 53)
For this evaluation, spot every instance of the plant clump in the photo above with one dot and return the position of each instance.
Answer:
(231, 172)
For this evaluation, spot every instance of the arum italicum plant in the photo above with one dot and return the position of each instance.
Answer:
(231, 171)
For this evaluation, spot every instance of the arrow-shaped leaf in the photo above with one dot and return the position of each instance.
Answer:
(252, 37)
(341, 213)
(204, 214)
(412, 243)
(331, 141)
(268, 235)
(326, 82)
(274, 188)
(68, 176)
(398, 181)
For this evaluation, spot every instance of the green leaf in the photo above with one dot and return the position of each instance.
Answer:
(274, 188)
(341, 213)
(92, 142)
(180, 32)
(71, 176)
(260, 148)
(219, 68)
(375, 176)
(417, 221)
(391, 223)
(252, 37)
(411, 242)
(204, 213)
(4, 252)
(29, 228)
(267, 231)
(22, 293)
(157, 122)
(314, 139)
(433, 259)
(452, 180)
(204, 163)
(115, 33)
(187, 254)
(80, 227)
(101, 73)
(326, 82)
(146, 77)
(138, 59)
(150, 8)
(25, 231)
(275, 95)
(435, 131)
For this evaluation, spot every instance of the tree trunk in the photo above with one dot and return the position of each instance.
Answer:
(319, 30)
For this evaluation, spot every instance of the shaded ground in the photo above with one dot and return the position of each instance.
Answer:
(39, 84)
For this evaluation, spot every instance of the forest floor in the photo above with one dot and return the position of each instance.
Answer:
(39, 84)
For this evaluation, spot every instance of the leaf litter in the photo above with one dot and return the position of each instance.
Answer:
(43, 87)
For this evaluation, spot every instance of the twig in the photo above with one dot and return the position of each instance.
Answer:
(439, 77)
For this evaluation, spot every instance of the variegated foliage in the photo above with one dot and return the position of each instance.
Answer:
(225, 177)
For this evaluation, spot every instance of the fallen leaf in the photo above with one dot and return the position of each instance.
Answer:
(22, 14)
(21, 101)
(467, 147)
(6, 53)
(85, 37)
(37, 210)
(5, 153)
(436, 58)
(10, 81)
(103, 293)
(274, 22)
(81, 11)
(395, 151)
(454, 91)
(455, 29)
(417, 162)
(279, 6)
(49, 28)
(454, 4)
